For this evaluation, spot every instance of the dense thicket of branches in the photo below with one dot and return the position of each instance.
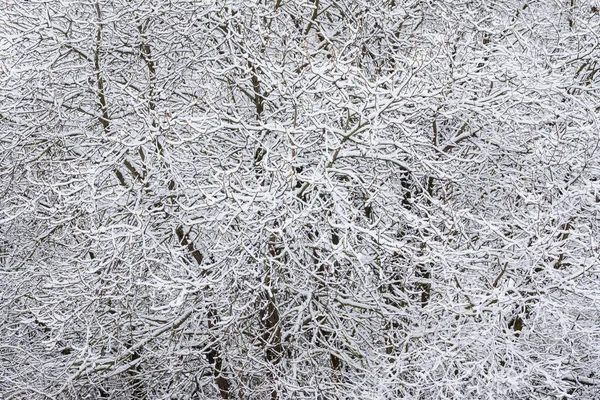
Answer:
(325, 199)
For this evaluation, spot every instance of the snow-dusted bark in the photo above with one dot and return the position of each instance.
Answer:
(286, 199)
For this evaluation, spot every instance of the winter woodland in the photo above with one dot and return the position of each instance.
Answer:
(300, 199)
